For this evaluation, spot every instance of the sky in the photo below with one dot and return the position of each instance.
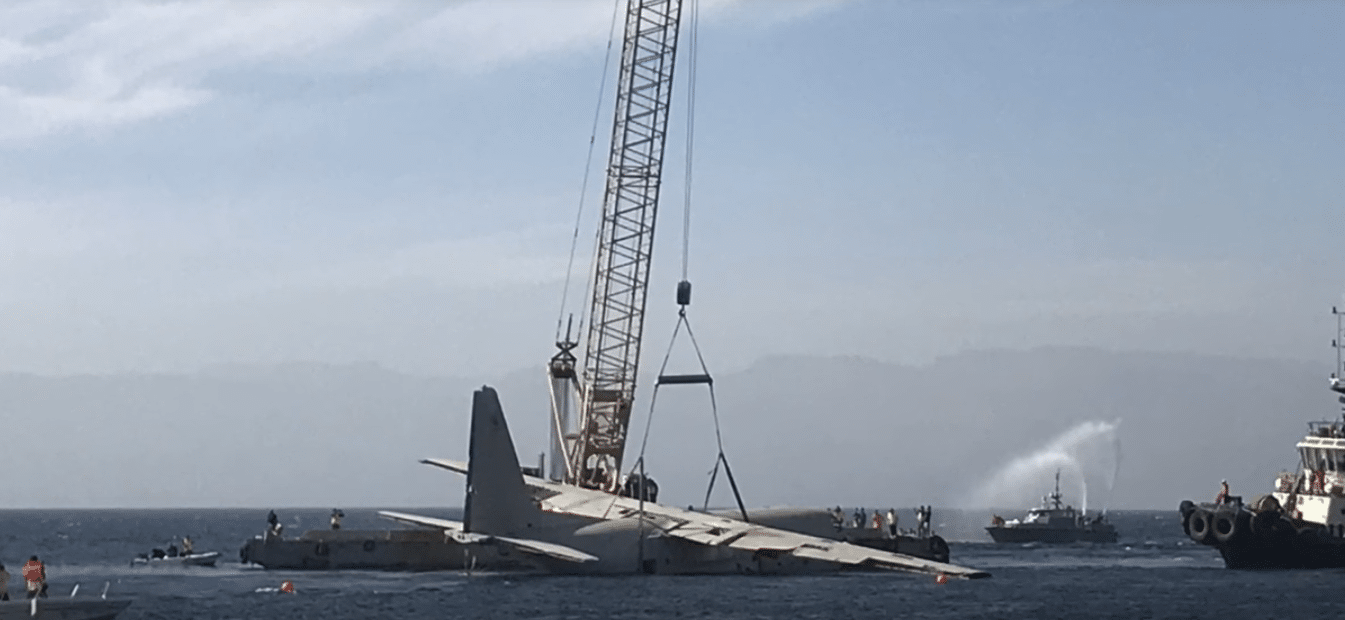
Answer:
(184, 184)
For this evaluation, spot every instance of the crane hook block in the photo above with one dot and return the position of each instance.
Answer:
(684, 293)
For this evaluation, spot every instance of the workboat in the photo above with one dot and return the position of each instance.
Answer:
(1301, 523)
(920, 542)
(1053, 522)
(187, 559)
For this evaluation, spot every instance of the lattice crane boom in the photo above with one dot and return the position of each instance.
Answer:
(593, 445)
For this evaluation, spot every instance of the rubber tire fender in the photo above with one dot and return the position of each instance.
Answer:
(1199, 526)
(1186, 508)
(1230, 525)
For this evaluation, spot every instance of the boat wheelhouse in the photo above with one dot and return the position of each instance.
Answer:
(1315, 493)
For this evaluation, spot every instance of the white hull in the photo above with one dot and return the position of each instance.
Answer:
(195, 559)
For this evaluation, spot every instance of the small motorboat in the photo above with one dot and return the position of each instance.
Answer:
(159, 558)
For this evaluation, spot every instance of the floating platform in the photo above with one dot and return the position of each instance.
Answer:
(394, 550)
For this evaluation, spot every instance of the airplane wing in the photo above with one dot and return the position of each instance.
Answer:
(453, 529)
(715, 530)
(750, 537)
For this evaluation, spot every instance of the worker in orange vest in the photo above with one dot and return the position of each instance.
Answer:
(35, 575)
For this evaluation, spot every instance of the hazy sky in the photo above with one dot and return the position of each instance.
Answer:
(190, 183)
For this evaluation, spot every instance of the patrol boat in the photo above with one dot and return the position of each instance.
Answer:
(1301, 523)
(1053, 522)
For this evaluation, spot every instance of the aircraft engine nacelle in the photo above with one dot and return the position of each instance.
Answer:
(624, 545)
(811, 521)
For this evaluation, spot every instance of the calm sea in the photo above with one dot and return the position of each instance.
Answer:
(1152, 573)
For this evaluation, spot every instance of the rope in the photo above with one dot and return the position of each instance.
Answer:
(682, 312)
(653, 397)
(691, 138)
(588, 168)
(714, 411)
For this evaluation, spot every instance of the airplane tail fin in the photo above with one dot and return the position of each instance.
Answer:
(497, 500)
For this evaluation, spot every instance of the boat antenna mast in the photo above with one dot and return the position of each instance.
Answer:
(592, 447)
(1338, 343)
(1055, 495)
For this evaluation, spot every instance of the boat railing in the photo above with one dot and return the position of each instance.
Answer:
(1326, 428)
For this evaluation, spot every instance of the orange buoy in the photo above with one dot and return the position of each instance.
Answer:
(287, 587)
(941, 579)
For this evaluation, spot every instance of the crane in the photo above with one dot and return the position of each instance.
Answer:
(588, 448)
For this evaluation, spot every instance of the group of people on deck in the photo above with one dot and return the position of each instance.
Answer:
(274, 528)
(34, 577)
(879, 520)
(173, 551)
(861, 520)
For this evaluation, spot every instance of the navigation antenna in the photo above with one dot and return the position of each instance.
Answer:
(1338, 376)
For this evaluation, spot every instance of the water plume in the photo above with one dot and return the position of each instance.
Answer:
(1090, 452)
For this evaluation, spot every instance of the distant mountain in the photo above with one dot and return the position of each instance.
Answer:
(796, 430)
(861, 431)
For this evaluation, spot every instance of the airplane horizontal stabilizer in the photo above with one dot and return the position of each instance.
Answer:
(443, 524)
(454, 530)
(537, 547)
(451, 465)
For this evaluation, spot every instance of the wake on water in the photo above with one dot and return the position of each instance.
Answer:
(1089, 454)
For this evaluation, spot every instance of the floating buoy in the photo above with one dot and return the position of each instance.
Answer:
(940, 579)
(287, 587)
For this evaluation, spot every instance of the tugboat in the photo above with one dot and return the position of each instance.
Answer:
(1301, 524)
(1053, 522)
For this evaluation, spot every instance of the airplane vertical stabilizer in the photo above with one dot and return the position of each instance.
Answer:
(497, 501)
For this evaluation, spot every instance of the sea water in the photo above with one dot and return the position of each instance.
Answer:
(1153, 572)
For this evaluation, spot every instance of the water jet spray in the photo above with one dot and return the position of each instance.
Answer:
(1089, 450)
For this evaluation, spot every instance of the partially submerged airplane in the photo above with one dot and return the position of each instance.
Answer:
(573, 530)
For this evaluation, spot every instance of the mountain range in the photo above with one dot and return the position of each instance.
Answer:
(796, 431)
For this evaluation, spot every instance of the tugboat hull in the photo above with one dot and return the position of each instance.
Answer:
(1261, 540)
